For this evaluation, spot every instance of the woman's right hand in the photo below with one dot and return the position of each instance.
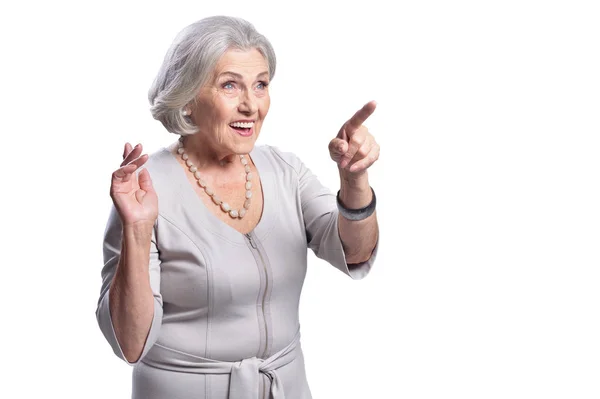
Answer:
(133, 194)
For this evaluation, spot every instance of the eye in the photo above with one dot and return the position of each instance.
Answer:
(228, 85)
(262, 85)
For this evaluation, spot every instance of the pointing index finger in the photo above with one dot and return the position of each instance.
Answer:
(361, 116)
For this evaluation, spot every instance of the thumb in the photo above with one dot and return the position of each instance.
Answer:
(145, 181)
(337, 148)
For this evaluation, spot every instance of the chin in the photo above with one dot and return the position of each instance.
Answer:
(245, 148)
(245, 144)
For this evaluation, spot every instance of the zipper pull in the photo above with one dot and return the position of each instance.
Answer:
(249, 237)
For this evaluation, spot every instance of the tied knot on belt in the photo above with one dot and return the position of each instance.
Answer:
(244, 380)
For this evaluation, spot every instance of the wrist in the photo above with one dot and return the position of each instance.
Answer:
(355, 191)
(358, 180)
(139, 233)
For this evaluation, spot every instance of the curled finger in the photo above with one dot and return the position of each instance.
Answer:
(356, 142)
(365, 162)
(126, 150)
(133, 154)
(124, 173)
(139, 161)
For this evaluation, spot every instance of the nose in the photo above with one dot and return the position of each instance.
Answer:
(247, 103)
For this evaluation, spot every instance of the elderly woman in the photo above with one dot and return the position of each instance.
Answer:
(205, 249)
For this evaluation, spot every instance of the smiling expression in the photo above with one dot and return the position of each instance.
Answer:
(230, 108)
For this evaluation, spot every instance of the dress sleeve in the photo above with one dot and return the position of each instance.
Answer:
(111, 253)
(320, 215)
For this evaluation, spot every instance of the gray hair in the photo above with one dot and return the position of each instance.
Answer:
(189, 63)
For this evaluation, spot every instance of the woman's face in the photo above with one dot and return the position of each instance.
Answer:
(231, 106)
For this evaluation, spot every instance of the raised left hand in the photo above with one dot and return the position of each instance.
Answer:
(354, 149)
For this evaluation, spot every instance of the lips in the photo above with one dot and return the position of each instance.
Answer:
(243, 131)
(244, 127)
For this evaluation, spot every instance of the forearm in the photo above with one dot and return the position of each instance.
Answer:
(131, 298)
(358, 237)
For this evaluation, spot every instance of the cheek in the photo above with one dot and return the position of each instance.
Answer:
(224, 108)
(265, 104)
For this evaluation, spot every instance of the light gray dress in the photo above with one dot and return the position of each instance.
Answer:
(226, 304)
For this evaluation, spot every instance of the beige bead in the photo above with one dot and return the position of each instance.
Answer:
(184, 156)
(242, 213)
(197, 175)
(249, 176)
(209, 191)
(248, 194)
(247, 203)
(201, 183)
(216, 200)
(180, 150)
(189, 163)
(244, 161)
(247, 168)
(193, 169)
(233, 213)
(225, 206)
(248, 185)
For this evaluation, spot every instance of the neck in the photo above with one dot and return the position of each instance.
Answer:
(204, 156)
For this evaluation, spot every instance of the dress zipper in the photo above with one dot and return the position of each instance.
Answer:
(262, 260)
(252, 243)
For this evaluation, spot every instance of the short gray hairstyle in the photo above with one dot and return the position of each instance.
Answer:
(190, 61)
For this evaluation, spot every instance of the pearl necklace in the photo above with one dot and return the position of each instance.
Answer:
(234, 213)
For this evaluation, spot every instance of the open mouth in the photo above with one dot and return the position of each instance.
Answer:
(243, 128)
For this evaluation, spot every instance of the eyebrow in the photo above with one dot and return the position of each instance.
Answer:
(238, 76)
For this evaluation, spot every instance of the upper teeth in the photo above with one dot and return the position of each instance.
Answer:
(242, 124)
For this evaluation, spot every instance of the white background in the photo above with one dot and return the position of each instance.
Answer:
(487, 281)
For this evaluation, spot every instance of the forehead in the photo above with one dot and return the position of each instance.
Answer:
(244, 62)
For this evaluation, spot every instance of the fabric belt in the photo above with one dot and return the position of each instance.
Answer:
(245, 374)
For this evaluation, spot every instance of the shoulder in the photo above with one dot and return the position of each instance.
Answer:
(158, 163)
(279, 159)
(162, 166)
